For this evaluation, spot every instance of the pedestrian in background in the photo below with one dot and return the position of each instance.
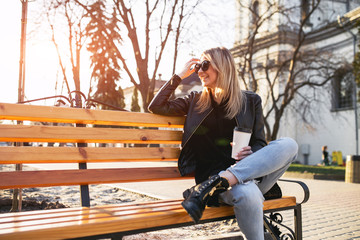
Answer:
(325, 156)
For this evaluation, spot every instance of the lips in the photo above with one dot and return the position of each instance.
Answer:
(203, 79)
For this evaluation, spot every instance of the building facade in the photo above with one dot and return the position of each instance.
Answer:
(298, 56)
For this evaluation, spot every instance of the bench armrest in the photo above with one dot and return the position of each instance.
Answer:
(304, 187)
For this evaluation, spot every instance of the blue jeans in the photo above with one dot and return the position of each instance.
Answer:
(270, 162)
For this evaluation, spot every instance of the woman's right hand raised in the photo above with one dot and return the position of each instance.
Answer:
(189, 68)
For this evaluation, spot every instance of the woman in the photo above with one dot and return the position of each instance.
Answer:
(211, 116)
(325, 156)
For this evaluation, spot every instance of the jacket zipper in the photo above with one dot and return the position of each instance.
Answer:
(237, 123)
(196, 128)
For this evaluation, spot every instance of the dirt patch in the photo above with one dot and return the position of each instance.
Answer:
(29, 205)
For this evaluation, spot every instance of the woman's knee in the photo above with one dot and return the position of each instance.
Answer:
(246, 195)
(291, 144)
(287, 145)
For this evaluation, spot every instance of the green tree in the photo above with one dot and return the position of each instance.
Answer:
(135, 101)
(356, 63)
(151, 28)
(104, 60)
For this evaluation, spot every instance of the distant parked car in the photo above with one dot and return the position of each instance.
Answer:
(4, 144)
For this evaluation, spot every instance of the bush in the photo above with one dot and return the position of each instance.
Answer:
(333, 170)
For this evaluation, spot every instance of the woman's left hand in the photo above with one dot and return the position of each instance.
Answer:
(245, 151)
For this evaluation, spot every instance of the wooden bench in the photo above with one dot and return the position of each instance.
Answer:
(124, 131)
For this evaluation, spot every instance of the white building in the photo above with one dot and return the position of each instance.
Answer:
(332, 119)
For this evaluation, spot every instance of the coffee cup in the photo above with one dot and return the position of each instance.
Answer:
(241, 139)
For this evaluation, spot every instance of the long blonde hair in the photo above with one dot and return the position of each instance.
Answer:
(227, 82)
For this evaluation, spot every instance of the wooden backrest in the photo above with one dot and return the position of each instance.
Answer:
(128, 136)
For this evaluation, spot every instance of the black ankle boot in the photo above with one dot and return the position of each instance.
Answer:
(196, 197)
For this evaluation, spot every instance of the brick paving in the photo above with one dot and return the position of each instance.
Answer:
(332, 212)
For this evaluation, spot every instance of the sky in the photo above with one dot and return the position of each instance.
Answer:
(42, 69)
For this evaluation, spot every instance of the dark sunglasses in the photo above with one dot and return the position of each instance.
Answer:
(204, 66)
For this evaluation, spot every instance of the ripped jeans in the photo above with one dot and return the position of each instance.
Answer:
(270, 162)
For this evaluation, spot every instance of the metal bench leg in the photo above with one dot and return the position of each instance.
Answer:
(270, 229)
(298, 222)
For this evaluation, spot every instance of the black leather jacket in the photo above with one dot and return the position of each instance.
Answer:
(249, 117)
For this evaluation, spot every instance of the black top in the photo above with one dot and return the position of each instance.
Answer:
(211, 143)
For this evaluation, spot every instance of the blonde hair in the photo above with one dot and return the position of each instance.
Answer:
(227, 82)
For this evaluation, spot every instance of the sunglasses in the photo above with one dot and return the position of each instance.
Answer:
(204, 66)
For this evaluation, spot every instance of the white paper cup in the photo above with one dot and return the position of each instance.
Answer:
(241, 139)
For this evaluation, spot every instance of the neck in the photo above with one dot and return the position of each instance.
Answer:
(215, 97)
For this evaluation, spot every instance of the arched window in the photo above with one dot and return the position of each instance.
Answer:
(255, 12)
(305, 10)
(343, 92)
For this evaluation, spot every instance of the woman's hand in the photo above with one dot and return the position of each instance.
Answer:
(189, 68)
(245, 151)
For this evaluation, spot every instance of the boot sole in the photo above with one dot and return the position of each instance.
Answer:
(189, 209)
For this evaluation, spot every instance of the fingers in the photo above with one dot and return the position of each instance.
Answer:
(245, 151)
(189, 68)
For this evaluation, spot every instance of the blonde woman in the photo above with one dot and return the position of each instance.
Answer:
(211, 116)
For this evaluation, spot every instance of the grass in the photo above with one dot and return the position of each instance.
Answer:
(328, 170)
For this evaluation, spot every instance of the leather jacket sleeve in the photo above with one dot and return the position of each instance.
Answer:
(257, 140)
(161, 103)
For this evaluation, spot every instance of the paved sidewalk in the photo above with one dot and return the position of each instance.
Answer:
(333, 210)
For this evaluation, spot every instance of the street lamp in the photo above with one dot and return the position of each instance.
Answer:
(342, 21)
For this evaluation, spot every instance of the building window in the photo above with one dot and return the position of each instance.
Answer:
(305, 10)
(255, 13)
(343, 92)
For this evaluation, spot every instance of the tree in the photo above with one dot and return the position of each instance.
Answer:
(356, 64)
(281, 76)
(74, 19)
(148, 28)
(135, 102)
(104, 60)
(71, 30)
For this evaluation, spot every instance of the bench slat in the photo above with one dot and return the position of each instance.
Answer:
(54, 213)
(26, 179)
(15, 155)
(92, 213)
(86, 116)
(100, 220)
(27, 133)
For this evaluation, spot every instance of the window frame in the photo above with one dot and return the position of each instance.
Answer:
(342, 89)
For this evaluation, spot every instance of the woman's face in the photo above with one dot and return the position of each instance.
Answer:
(208, 77)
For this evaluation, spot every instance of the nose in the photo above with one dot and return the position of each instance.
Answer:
(200, 71)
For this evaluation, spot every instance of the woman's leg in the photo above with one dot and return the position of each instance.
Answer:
(270, 162)
(248, 207)
(245, 195)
